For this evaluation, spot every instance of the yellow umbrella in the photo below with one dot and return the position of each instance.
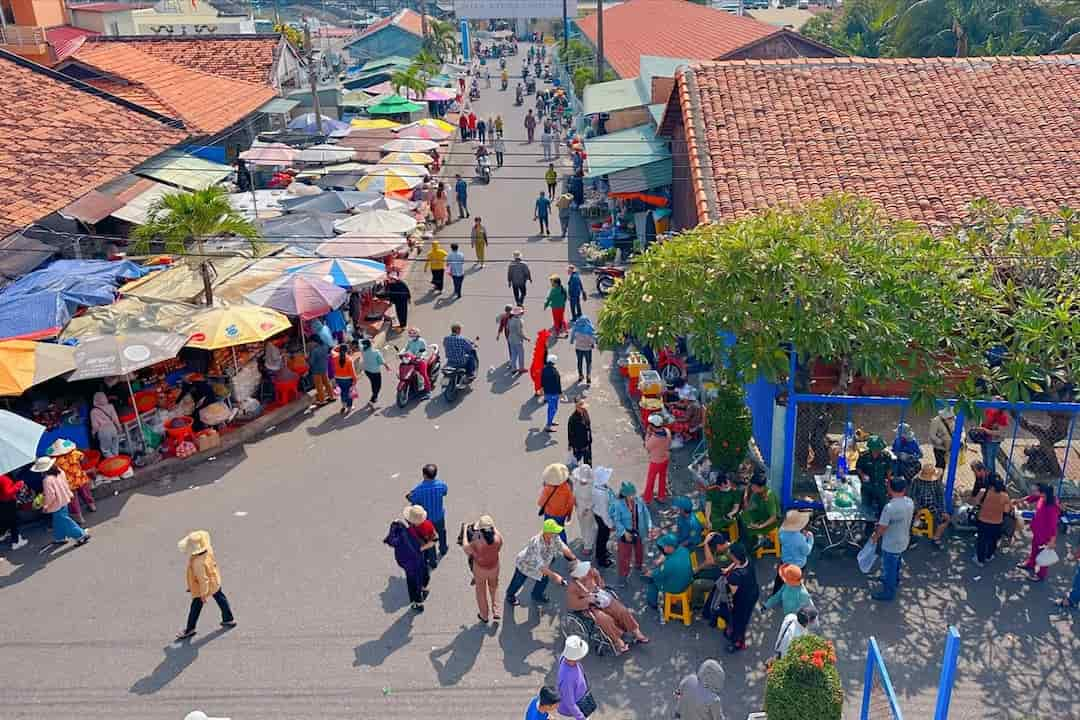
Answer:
(229, 325)
(374, 124)
(406, 158)
(436, 123)
(24, 364)
(389, 179)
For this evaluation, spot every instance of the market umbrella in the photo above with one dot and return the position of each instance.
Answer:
(341, 180)
(348, 273)
(435, 124)
(270, 154)
(376, 222)
(407, 158)
(389, 179)
(19, 440)
(230, 325)
(394, 105)
(385, 203)
(24, 364)
(302, 189)
(333, 201)
(409, 145)
(299, 296)
(373, 124)
(326, 154)
(307, 123)
(362, 245)
(421, 132)
(111, 355)
(303, 229)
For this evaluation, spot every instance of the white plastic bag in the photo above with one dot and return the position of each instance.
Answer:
(868, 557)
(1047, 556)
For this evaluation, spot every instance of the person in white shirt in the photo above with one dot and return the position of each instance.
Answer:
(602, 497)
(795, 625)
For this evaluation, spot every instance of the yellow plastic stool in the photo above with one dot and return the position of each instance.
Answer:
(774, 538)
(683, 598)
(927, 530)
(733, 531)
(721, 624)
(693, 561)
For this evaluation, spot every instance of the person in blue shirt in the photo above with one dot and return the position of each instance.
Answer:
(796, 542)
(543, 208)
(907, 451)
(460, 351)
(575, 290)
(545, 702)
(461, 190)
(429, 495)
(687, 526)
(455, 263)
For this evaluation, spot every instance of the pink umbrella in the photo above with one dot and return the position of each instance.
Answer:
(435, 94)
(423, 132)
(299, 296)
(270, 154)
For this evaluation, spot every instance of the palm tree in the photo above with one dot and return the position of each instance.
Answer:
(183, 221)
(441, 39)
(427, 65)
(409, 79)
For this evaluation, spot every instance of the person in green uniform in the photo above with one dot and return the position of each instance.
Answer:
(761, 511)
(722, 503)
(874, 469)
(673, 573)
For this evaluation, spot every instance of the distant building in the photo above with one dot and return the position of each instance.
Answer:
(398, 34)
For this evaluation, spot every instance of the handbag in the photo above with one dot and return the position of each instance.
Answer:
(587, 705)
(1047, 556)
(602, 598)
(868, 557)
(978, 435)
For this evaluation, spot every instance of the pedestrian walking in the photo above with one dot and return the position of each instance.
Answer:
(796, 542)
(472, 124)
(500, 150)
(409, 555)
(533, 563)
(545, 142)
(502, 330)
(792, 595)
(483, 549)
(1043, 529)
(203, 581)
(105, 425)
(530, 125)
(498, 126)
(440, 207)
(461, 191)
(575, 698)
(481, 131)
(583, 338)
(551, 178)
(603, 498)
(556, 300)
(994, 429)
(397, 292)
(582, 480)
(344, 375)
(479, 240)
(545, 703)
(575, 291)
(658, 448)
(436, 261)
(894, 533)
(743, 594)
(56, 497)
(539, 358)
(463, 125)
(516, 339)
(631, 520)
(318, 361)
(579, 433)
(69, 461)
(374, 366)
(794, 625)
(994, 504)
(551, 383)
(429, 494)
(455, 262)
(941, 432)
(10, 490)
(698, 695)
(556, 501)
(542, 209)
(518, 276)
(563, 206)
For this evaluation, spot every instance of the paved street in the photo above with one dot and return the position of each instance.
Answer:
(297, 520)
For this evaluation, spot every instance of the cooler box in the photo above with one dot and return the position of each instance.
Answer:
(650, 383)
(635, 364)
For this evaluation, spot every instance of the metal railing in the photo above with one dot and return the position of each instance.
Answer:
(22, 35)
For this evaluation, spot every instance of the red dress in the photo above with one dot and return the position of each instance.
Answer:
(539, 357)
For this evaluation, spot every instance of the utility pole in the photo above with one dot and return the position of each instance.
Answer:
(599, 40)
(565, 30)
(313, 76)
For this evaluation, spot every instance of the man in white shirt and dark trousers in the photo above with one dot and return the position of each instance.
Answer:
(894, 534)
(795, 625)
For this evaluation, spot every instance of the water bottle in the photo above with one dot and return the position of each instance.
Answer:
(829, 473)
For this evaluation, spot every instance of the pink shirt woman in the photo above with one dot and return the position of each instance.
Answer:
(1043, 529)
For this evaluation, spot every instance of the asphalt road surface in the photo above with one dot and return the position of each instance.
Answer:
(297, 520)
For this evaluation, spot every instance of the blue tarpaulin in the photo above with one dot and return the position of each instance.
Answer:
(34, 316)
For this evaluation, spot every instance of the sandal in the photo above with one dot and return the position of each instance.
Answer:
(643, 640)
(481, 618)
(185, 634)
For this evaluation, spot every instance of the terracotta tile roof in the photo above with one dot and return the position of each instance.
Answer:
(62, 140)
(205, 103)
(249, 58)
(922, 137)
(670, 28)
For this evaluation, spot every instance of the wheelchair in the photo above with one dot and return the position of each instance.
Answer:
(580, 624)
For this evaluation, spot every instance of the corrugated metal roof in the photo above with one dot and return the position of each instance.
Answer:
(614, 95)
(625, 149)
(183, 171)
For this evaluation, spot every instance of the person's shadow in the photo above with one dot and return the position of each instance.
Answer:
(463, 652)
(374, 652)
(517, 642)
(394, 597)
(178, 656)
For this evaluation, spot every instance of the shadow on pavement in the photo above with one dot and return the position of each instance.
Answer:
(374, 652)
(178, 656)
(396, 594)
(463, 651)
(517, 642)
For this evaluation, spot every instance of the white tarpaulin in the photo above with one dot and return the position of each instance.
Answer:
(510, 9)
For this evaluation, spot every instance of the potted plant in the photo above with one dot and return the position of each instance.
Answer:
(728, 428)
(596, 255)
(805, 684)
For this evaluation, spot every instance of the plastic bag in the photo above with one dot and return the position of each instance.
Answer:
(1047, 556)
(868, 557)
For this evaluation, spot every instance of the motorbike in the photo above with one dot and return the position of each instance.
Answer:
(505, 84)
(474, 93)
(530, 86)
(520, 98)
(606, 277)
(483, 170)
(410, 383)
(455, 378)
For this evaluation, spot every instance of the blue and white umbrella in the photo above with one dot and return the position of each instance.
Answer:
(348, 273)
(19, 439)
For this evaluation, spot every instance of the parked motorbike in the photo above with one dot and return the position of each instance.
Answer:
(483, 170)
(410, 382)
(474, 93)
(607, 276)
(455, 378)
(530, 86)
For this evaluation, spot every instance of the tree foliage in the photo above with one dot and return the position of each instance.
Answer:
(294, 36)
(408, 79)
(441, 39)
(839, 280)
(728, 429)
(182, 221)
(805, 684)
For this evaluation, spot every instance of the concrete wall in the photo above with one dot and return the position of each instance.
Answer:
(109, 24)
(38, 13)
(623, 119)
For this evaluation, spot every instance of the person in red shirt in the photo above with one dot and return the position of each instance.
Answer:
(424, 531)
(9, 522)
(995, 424)
(472, 124)
(463, 125)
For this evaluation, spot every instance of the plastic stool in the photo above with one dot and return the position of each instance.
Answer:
(286, 391)
(693, 561)
(721, 624)
(927, 528)
(683, 598)
(774, 538)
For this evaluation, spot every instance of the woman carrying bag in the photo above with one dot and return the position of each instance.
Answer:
(994, 504)
(575, 697)
(1043, 530)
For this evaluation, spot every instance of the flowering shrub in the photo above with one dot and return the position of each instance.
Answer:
(727, 429)
(596, 254)
(805, 684)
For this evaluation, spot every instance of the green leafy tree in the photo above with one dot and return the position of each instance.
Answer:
(805, 684)
(427, 66)
(182, 221)
(441, 39)
(410, 80)
(294, 36)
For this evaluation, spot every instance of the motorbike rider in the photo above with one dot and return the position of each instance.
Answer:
(460, 351)
(481, 157)
(418, 347)
(505, 78)
(520, 94)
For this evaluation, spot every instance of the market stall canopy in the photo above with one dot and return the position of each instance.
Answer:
(407, 158)
(376, 222)
(270, 154)
(92, 208)
(345, 167)
(416, 131)
(260, 273)
(80, 282)
(341, 180)
(263, 201)
(307, 123)
(183, 280)
(392, 178)
(332, 201)
(20, 254)
(409, 145)
(635, 159)
(299, 296)
(131, 315)
(356, 245)
(19, 439)
(305, 230)
(112, 355)
(374, 124)
(183, 171)
(302, 189)
(326, 154)
(431, 94)
(360, 99)
(137, 209)
(24, 364)
(36, 316)
(394, 105)
(229, 325)
(348, 273)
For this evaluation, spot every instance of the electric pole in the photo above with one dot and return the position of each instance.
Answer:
(313, 76)
(599, 40)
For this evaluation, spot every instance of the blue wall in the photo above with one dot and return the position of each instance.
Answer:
(390, 40)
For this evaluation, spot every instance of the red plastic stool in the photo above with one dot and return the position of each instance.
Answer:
(90, 461)
(286, 391)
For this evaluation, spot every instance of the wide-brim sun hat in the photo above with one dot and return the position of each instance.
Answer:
(795, 520)
(791, 574)
(551, 527)
(414, 514)
(485, 523)
(581, 569)
(583, 474)
(194, 542)
(656, 420)
(553, 358)
(928, 472)
(60, 447)
(43, 464)
(555, 474)
(575, 648)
